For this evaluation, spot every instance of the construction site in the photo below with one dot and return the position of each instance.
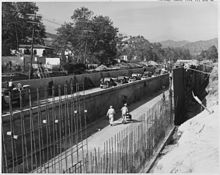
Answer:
(65, 129)
(109, 87)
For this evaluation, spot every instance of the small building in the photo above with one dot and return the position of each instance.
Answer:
(39, 50)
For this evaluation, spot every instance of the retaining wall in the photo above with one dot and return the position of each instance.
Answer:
(186, 82)
(98, 103)
(94, 77)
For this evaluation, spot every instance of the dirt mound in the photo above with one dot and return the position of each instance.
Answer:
(212, 88)
(197, 150)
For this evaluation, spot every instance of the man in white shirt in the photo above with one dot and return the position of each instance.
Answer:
(110, 114)
(124, 111)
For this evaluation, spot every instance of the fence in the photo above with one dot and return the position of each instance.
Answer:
(31, 140)
(130, 149)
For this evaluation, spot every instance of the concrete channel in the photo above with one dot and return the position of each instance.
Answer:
(95, 101)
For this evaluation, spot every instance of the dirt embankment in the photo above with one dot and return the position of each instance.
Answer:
(195, 148)
(212, 88)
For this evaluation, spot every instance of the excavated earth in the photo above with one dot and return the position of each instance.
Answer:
(194, 147)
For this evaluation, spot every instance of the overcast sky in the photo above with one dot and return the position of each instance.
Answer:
(156, 21)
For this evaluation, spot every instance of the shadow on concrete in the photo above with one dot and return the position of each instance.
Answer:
(134, 121)
(127, 122)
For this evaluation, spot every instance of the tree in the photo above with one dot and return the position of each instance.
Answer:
(90, 38)
(209, 54)
(173, 54)
(16, 26)
(136, 48)
(212, 53)
(105, 37)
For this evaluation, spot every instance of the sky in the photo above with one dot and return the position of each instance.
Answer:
(156, 21)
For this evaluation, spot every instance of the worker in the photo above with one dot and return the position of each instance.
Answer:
(110, 114)
(19, 86)
(10, 85)
(124, 112)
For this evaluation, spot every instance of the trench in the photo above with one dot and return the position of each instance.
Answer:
(185, 82)
(186, 107)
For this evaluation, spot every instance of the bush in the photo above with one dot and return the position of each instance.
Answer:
(74, 68)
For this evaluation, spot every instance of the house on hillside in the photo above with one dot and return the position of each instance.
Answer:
(39, 50)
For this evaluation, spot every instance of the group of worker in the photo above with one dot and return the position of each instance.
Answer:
(124, 113)
(10, 85)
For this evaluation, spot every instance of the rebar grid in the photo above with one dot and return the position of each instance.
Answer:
(31, 140)
(54, 139)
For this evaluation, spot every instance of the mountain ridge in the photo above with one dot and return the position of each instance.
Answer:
(195, 47)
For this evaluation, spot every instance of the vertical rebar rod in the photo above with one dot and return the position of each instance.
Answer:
(120, 153)
(96, 163)
(45, 122)
(11, 130)
(115, 153)
(91, 162)
(60, 127)
(107, 157)
(65, 124)
(53, 131)
(99, 165)
(33, 131)
(22, 133)
(104, 161)
(71, 126)
(85, 120)
(5, 165)
(126, 142)
(81, 128)
(39, 129)
(123, 151)
(77, 124)
(112, 156)
(110, 160)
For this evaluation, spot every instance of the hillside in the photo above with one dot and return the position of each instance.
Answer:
(194, 47)
(49, 39)
(171, 43)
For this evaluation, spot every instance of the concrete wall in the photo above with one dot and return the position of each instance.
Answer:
(186, 82)
(98, 103)
(90, 80)
(94, 77)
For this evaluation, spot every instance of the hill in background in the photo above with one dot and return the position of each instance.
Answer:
(195, 48)
(171, 43)
(49, 39)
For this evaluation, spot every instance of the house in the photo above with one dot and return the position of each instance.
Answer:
(39, 50)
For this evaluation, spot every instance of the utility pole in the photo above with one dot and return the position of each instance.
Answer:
(32, 43)
(32, 54)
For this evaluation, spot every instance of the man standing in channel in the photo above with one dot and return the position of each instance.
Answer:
(124, 112)
(110, 114)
